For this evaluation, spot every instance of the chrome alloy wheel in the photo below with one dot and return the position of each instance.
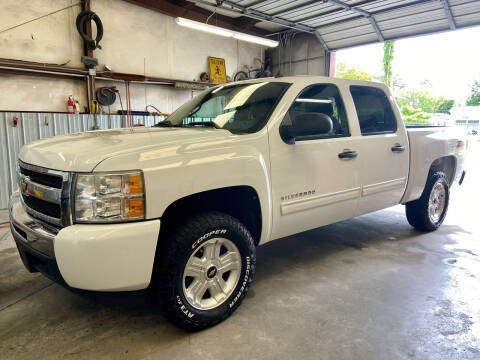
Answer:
(436, 202)
(211, 273)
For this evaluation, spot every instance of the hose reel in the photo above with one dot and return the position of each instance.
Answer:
(106, 96)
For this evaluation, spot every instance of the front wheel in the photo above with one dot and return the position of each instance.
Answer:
(428, 212)
(206, 270)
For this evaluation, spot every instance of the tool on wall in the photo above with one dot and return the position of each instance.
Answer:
(107, 95)
(84, 26)
(94, 107)
(15, 121)
(82, 18)
(156, 112)
(204, 77)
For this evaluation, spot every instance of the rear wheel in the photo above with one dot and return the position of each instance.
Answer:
(207, 267)
(241, 75)
(428, 212)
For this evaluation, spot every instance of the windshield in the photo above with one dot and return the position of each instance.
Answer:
(241, 108)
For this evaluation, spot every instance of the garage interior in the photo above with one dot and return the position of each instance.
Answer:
(367, 288)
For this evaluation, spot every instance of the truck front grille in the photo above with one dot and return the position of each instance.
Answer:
(46, 179)
(44, 207)
(45, 194)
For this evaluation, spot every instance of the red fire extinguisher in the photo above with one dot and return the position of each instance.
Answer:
(71, 105)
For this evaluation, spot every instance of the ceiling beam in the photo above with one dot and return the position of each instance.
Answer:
(234, 7)
(320, 39)
(258, 2)
(254, 14)
(448, 14)
(364, 13)
(306, 5)
(378, 12)
(187, 9)
(376, 28)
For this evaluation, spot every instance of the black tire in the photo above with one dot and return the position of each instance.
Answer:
(179, 246)
(417, 211)
(241, 75)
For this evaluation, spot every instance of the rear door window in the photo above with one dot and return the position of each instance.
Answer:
(374, 111)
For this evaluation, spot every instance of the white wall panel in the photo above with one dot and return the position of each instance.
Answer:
(136, 40)
(35, 126)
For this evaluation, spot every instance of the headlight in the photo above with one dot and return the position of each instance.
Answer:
(109, 197)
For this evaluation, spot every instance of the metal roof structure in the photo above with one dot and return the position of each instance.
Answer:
(345, 23)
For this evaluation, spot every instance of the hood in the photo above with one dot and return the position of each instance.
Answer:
(82, 152)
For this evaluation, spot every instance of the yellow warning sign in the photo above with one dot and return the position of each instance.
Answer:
(218, 73)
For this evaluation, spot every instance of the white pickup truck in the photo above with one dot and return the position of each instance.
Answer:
(180, 207)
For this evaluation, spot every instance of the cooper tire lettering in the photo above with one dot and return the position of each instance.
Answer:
(207, 235)
(183, 242)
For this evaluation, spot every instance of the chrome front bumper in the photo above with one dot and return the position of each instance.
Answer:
(106, 257)
(29, 231)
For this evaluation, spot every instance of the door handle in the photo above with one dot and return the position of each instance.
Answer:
(348, 154)
(398, 148)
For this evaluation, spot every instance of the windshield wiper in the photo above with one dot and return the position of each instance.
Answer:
(194, 111)
(203, 123)
(166, 123)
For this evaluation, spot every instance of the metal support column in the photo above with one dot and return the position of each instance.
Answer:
(89, 53)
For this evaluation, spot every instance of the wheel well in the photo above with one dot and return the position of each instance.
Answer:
(240, 202)
(447, 165)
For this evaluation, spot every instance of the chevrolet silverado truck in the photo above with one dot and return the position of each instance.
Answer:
(180, 207)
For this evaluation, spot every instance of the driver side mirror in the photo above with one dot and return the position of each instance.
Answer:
(306, 124)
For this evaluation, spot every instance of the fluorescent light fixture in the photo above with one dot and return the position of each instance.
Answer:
(225, 32)
(204, 27)
(255, 39)
(322, 101)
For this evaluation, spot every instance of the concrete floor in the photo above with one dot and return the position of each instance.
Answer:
(367, 288)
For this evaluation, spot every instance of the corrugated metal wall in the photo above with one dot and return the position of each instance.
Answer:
(35, 126)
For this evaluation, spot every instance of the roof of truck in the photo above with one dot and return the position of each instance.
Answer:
(305, 80)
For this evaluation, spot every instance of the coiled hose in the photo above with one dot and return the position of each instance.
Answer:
(82, 18)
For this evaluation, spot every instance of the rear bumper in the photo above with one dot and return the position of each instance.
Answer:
(115, 257)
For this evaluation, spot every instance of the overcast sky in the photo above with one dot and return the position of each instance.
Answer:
(450, 61)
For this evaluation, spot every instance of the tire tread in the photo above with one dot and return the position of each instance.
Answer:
(417, 210)
(173, 250)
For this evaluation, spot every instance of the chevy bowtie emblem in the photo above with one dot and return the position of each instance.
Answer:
(28, 191)
(23, 185)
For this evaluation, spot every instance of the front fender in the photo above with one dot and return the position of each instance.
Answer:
(182, 170)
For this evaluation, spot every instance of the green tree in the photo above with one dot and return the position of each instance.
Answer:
(445, 105)
(474, 98)
(388, 47)
(412, 116)
(424, 101)
(346, 72)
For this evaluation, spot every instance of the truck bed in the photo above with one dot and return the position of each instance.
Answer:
(428, 143)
